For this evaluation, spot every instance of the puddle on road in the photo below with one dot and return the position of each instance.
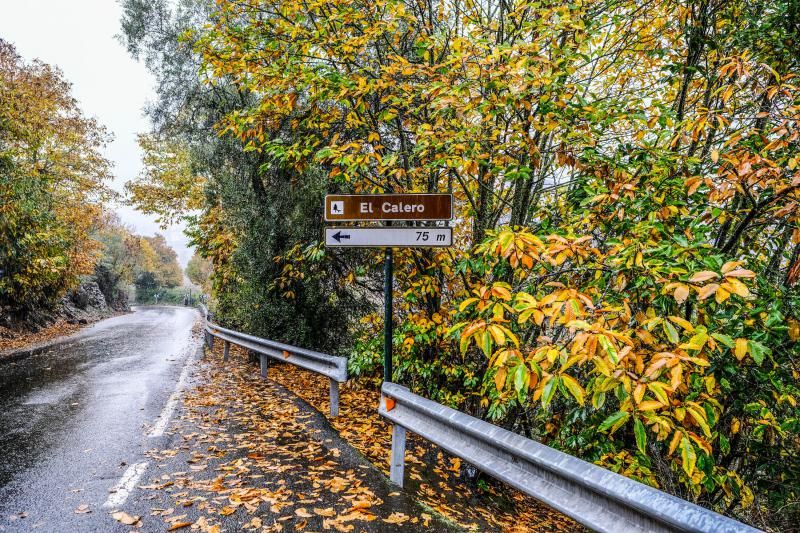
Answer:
(58, 394)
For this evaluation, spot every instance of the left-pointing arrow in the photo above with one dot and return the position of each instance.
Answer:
(338, 236)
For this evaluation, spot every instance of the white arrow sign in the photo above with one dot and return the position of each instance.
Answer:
(389, 237)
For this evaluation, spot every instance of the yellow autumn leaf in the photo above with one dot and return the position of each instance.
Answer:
(705, 275)
(706, 291)
(741, 349)
(685, 324)
(721, 295)
(574, 388)
(737, 287)
(676, 439)
(500, 378)
(396, 518)
(638, 392)
(649, 405)
(681, 293)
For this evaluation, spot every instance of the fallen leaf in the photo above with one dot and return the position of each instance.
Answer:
(125, 518)
(179, 525)
(83, 509)
(363, 504)
(396, 518)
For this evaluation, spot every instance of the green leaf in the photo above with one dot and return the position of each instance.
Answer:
(758, 351)
(598, 399)
(574, 388)
(486, 343)
(640, 433)
(724, 444)
(724, 339)
(549, 390)
(520, 378)
(688, 455)
(613, 420)
(455, 328)
(609, 348)
(672, 333)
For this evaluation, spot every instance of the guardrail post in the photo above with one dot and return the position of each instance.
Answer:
(211, 341)
(264, 365)
(334, 397)
(397, 468)
(226, 351)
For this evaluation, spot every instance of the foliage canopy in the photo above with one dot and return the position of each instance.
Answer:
(624, 284)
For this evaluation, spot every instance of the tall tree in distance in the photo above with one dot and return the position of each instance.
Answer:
(199, 271)
(168, 273)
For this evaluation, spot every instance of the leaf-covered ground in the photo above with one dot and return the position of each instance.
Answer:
(433, 476)
(249, 454)
(13, 341)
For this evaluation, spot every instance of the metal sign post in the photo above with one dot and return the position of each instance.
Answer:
(388, 207)
(388, 326)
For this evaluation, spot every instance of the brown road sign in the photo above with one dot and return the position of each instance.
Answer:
(388, 207)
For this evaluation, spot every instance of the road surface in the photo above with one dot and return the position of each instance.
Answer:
(76, 419)
(128, 416)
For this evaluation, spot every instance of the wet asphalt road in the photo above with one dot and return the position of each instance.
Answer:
(75, 416)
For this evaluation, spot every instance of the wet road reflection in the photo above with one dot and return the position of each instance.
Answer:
(73, 414)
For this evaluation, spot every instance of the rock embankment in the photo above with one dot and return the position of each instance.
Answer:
(85, 304)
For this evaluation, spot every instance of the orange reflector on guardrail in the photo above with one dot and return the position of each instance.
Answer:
(389, 403)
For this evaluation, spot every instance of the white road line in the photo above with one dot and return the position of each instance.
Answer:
(128, 481)
(121, 491)
(163, 419)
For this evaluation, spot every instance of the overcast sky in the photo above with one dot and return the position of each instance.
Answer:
(79, 37)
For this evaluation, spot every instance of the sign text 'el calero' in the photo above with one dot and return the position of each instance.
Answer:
(388, 207)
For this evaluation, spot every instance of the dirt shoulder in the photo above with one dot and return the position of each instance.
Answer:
(246, 454)
(22, 343)
(433, 477)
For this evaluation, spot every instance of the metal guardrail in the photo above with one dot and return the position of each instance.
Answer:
(333, 367)
(597, 498)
